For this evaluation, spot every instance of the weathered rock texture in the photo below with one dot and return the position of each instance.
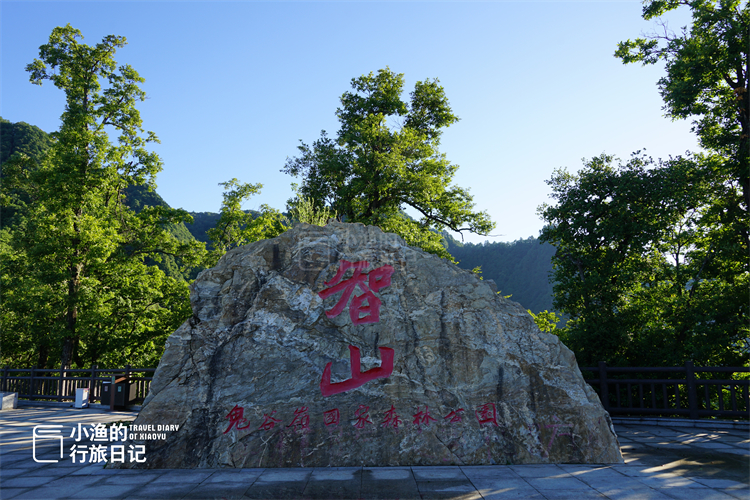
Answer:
(473, 380)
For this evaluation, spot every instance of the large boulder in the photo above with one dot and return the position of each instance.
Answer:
(342, 346)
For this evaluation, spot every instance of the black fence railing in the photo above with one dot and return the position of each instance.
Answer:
(683, 391)
(57, 384)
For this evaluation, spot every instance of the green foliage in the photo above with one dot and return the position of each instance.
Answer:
(201, 224)
(236, 227)
(652, 259)
(707, 79)
(665, 279)
(520, 268)
(636, 267)
(303, 209)
(139, 197)
(74, 267)
(547, 322)
(385, 159)
(205, 221)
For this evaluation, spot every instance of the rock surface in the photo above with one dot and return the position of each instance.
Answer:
(265, 373)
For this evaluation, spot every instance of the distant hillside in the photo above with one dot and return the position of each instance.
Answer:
(15, 139)
(138, 197)
(202, 222)
(520, 268)
(22, 138)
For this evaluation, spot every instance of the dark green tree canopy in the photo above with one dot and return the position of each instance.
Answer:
(706, 68)
(385, 158)
(634, 268)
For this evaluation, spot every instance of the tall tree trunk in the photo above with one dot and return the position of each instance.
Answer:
(71, 339)
(74, 282)
(42, 355)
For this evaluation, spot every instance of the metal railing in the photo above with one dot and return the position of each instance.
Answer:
(684, 391)
(58, 384)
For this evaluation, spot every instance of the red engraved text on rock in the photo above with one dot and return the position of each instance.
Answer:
(268, 421)
(486, 414)
(363, 416)
(301, 419)
(423, 417)
(364, 308)
(391, 419)
(454, 416)
(235, 417)
(357, 378)
(331, 417)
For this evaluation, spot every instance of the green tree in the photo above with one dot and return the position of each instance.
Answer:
(630, 269)
(547, 322)
(74, 274)
(304, 211)
(652, 259)
(385, 159)
(237, 227)
(707, 79)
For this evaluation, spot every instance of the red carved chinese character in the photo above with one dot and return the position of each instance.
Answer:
(486, 414)
(368, 283)
(363, 416)
(556, 427)
(454, 416)
(235, 416)
(331, 417)
(423, 417)
(301, 419)
(358, 378)
(391, 419)
(269, 422)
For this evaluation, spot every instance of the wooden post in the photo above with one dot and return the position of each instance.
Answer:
(603, 387)
(5, 379)
(31, 383)
(692, 392)
(60, 383)
(92, 383)
(112, 394)
(126, 388)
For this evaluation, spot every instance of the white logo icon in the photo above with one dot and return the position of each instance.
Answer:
(50, 432)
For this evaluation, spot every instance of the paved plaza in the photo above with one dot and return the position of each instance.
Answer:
(704, 462)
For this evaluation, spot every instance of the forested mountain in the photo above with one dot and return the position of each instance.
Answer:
(520, 268)
(205, 221)
(16, 139)
(22, 138)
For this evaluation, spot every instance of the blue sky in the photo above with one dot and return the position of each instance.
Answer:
(234, 86)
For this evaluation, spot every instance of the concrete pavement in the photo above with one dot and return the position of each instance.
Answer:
(662, 462)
